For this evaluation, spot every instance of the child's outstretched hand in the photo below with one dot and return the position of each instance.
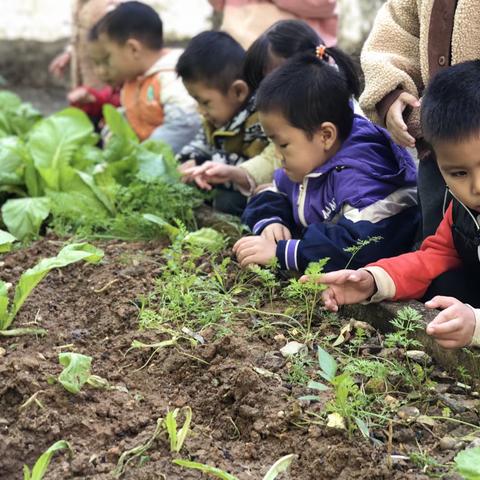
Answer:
(454, 326)
(345, 287)
(394, 119)
(255, 250)
(185, 170)
(276, 232)
(80, 96)
(215, 173)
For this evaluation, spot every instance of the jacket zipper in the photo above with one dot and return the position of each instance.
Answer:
(302, 193)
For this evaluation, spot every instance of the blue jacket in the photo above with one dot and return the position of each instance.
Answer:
(368, 189)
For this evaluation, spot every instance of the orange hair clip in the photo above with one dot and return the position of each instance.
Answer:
(321, 52)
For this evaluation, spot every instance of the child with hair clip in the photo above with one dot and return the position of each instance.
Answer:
(343, 178)
(280, 42)
(444, 271)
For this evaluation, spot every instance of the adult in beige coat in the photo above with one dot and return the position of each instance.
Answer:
(411, 41)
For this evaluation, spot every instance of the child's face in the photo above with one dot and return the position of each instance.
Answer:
(215, 106)
(459, 163)
(300, 154)
(99, 58)
(122, 61)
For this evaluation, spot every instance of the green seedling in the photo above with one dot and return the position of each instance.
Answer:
(267, 278)
(6, 241)
(138, 451)
(347, 402)
(359, 245)
(77, 372)
(33, 276)
(278, 467)
(39, 469)
(309, 292)
(207, 238)
(467, 463)
(177, 438)
(407, 322)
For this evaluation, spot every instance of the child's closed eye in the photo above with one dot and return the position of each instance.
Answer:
(460, 173)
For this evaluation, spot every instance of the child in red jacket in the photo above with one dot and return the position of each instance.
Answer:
(447, 266)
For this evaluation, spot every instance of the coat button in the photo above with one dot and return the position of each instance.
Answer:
(442, 60)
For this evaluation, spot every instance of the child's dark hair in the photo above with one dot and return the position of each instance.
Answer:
(213, 58)
(451, 104)
(308, 91)
(131, 20)
(285, 39)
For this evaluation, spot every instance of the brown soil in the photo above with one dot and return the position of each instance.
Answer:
(242, 421)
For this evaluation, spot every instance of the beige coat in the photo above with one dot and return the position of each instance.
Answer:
(397, 54)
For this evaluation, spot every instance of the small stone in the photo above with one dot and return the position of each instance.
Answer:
(280, 414)
(408, 413)
(392, 402)
(294, 348)
(419, 356)
(3, 352)
(3, 422)
(450, 443)
(375, 385)
(475, 443)
(279, 339)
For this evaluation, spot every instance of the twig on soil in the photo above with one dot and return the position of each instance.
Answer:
(32, 399)
(106, 286)
(390, 445)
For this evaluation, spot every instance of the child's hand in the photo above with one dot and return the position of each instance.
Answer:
(454, 326)
(255, 250)
(345, 287)
(185, 170)
(80, 95)
(59, 64)
(394, 119)
(212, 173)
(276, 232)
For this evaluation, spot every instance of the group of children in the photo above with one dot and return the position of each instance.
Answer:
(276, 130)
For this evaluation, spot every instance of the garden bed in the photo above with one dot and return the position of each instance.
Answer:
(243, 393)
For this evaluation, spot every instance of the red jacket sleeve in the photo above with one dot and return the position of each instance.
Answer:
(413, 272)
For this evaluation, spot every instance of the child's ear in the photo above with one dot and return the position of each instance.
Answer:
(133, 46)
(328, 133)
(240, 90)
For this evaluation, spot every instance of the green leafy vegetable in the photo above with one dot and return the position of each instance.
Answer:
(33, 276)
(76, 372)
(177, 438)
(24, 216)
(6, 241)
(40, 468)
(467, 463)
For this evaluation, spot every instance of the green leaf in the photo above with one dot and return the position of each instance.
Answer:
(171, 426)
(76, 371)
(53, 142)
(9, 100)
(6, 241)
(327, 363)
(33, 276)
(43, 461)
(156, 160)
(280, 466)
(467, 463)
(24, 216)
(362, 426)
(11, 161)
(317, 386)
(117, 124)
(4, 303)
(170, 230)
(208, 238)
(205, 469)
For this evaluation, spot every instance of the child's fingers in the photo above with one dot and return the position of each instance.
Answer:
(200, 181)
(444, 324)
(450, 344)
(441, 302)
(329, 300)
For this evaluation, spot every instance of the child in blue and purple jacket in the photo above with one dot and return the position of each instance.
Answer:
(343, 178)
